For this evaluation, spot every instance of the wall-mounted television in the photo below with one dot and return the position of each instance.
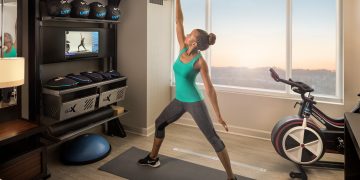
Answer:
(79, 44)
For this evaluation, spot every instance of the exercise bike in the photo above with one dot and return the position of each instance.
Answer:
(298, 139)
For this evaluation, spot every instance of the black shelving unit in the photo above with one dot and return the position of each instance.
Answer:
(45, 33)
(39, 22)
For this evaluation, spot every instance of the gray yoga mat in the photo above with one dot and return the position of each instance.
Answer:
(125, 165)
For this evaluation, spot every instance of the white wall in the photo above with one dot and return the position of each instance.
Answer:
(144, 53)
(158, 56)
(132, 59)
(351, 10)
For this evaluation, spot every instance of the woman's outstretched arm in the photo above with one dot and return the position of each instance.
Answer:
(210, 91)
(180, 25)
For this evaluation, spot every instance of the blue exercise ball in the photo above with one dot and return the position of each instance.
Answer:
(85, 149)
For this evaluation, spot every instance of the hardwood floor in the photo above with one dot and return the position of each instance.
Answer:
(251, 157)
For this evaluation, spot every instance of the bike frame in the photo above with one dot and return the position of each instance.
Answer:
(334, 128)
(308, 108)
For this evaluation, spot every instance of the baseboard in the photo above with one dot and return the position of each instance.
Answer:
(235, 130)
(140, 131)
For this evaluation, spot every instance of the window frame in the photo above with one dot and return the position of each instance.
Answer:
(287, 93)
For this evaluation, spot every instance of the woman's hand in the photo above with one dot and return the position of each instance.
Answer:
(223, 123)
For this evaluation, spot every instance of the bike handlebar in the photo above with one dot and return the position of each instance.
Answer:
(302, 86)
(274, 75)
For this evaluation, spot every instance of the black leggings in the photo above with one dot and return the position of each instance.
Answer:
(200, 114)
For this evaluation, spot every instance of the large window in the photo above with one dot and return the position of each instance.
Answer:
(314, 38)
(301, 39)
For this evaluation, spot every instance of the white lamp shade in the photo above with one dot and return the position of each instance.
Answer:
(12, 72)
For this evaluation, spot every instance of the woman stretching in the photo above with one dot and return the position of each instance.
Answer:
(188, 98)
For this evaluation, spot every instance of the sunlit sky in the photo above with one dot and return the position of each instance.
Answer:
(252, 33)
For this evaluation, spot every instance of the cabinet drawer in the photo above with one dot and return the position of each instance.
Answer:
(112, 96)
(26, 166)
(66, 110)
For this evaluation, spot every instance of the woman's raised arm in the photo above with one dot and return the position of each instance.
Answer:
(180, 25)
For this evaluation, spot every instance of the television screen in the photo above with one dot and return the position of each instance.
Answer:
(81, 44)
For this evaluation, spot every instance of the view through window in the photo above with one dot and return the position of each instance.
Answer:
(255, 35)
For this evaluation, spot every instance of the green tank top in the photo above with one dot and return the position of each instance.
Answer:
(12, 52)
(185, 76)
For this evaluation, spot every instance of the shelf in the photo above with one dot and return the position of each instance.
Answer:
(91, 58)
(72, 133)
(14, 130)
(82, 20)
(66, 91)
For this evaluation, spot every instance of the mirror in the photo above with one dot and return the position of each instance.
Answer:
(8, 38)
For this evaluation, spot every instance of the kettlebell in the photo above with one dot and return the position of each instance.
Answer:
(59, 8)
(113, 13)
(97, 10)
(80, 9)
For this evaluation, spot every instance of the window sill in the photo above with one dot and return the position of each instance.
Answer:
(271, 94)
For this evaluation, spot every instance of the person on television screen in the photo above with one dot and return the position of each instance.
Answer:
(81, 43)
(9, 46)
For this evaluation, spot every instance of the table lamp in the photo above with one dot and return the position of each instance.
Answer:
(12, 72)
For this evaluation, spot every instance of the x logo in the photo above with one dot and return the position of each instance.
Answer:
(107, 98)
(73, 108)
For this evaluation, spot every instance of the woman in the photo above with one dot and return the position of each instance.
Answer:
(10, 50)
(188, 98)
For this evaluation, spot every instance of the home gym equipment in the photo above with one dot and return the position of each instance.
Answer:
(65, 126)
(113, 13)
(60, 83)
(97, 10)
(300, 140)
(123, 166)
(80, 9)
(60, 8)
(57, 50)
(79, 78)
(114, 74)
(85, 149)
(95, 77)
(105, 75)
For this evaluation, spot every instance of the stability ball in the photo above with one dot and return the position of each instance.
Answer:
(85, 149)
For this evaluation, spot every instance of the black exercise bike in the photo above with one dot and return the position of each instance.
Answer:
(302, 141)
